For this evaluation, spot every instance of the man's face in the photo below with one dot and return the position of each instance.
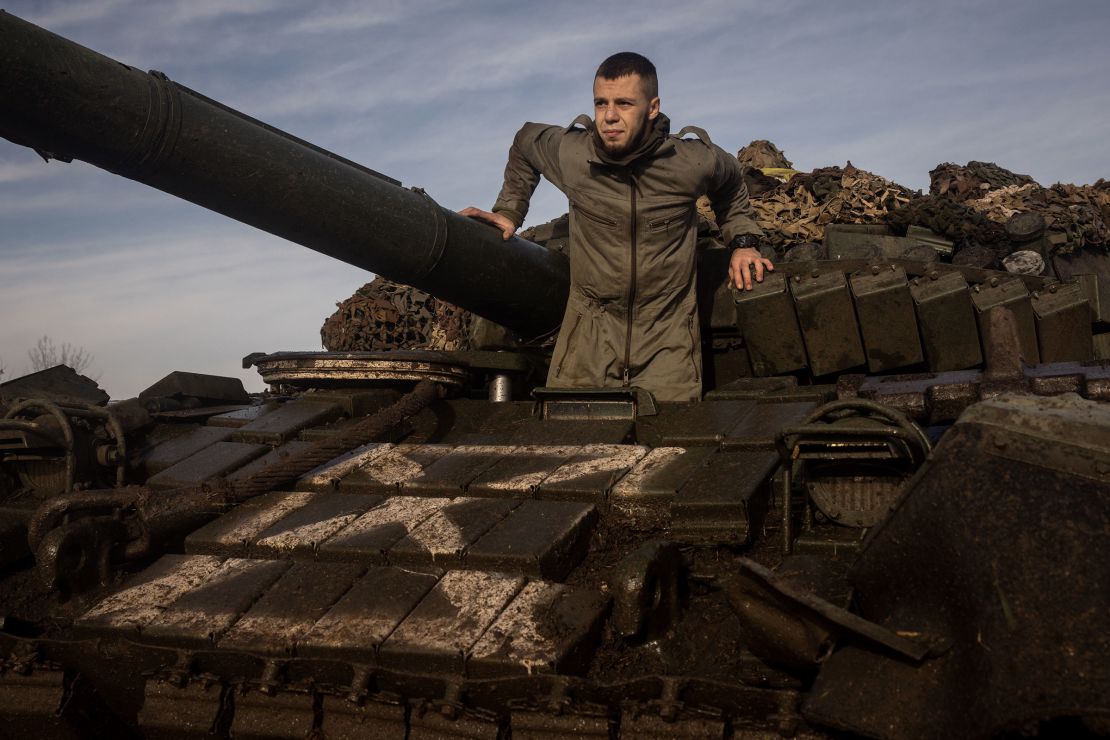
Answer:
(622, 113)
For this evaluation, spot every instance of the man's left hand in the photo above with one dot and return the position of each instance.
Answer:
(747, 263)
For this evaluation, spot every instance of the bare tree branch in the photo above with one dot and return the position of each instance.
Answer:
(46, 354)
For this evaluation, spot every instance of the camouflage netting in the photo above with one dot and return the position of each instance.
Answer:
(758, 156)
(956, 221)
(762, 153)
(972, 180)
(970, 205)
(385, 315)
(1079, 215)
(798, 210)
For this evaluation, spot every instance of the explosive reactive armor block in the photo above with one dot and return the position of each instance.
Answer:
(828, 321)
(1011, 294)
(947, 321)
(766, 318)
(886, 318)
(1063, 319)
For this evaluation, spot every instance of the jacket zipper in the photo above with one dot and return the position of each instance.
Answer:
(631, 289)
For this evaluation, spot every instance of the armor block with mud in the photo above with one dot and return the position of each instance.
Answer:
(889, 516)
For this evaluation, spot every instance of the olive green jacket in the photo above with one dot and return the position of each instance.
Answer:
(631, 318)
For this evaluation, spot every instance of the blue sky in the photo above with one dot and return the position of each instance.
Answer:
(431, 93)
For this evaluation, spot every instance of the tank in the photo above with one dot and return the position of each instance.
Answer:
(889, 516)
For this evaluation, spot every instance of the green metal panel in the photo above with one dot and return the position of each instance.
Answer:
(1102, 346)
(1063, 319)
(767, 320)
(884, 307)
(828, 321)
(1008, 293)
(1097, 290)
(947, 321)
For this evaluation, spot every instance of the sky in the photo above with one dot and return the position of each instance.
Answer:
(431, 93)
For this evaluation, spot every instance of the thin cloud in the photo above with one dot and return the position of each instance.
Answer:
(398, 71)
(69, 198)
(63, 15)
(23, 171)
(359, 16)
(209, 10)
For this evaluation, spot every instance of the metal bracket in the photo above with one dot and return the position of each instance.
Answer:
(594, 404)
(78, 556)
(850, 436)
(649, 590)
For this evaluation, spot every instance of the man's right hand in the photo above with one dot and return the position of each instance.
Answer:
(508, 228)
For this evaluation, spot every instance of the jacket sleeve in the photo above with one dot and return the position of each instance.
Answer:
(729, 197)
(535, 152)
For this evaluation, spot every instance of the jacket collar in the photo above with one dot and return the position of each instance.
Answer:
(656, 140)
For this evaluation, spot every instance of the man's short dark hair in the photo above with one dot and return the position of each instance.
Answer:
(626, 63)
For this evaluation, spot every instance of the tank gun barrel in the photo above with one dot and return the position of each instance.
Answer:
(69, 102)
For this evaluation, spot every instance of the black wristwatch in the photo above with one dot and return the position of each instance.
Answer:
(744, 241)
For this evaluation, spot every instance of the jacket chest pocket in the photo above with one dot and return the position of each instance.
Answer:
(606, 221)
(674, 218)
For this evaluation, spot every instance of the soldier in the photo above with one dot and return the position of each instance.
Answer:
(631, 318)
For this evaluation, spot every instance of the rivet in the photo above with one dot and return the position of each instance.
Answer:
(994, 282)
